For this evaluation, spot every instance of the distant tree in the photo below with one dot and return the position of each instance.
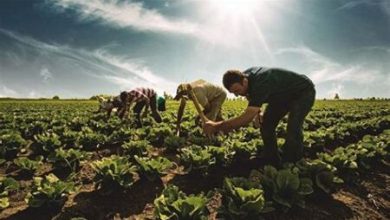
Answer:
(337, 96)
(56, 97)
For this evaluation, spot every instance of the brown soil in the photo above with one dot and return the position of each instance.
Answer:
(367, 198)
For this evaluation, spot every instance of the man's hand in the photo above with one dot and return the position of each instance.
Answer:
(211, 127)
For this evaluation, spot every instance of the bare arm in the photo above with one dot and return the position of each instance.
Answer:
(239, 121)
(212, 127)
(124, 110)
(180, 111)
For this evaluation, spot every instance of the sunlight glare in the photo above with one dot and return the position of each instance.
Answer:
(235, 7)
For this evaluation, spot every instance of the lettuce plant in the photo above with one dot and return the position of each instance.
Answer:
(49, 192)
(322, 174)
(156, 135)
(27, 165)
(114, 172)
(121, 135)
(196, 158)
(7, 184)
(153, 168)
(69, 137)
(10, 144)
(90, 140)
(70, 158)
(243, 199)
(173, 142)
(46, 142)
(174, 204)
(223, 156)
(77, 123)
(242, 149)
(36, 127)
(285, 187)
(136, 147)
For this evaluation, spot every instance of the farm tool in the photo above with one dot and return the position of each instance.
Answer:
(188, 90)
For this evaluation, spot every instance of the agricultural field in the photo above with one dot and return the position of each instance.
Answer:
(61, 160)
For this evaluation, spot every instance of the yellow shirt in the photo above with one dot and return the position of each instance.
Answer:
(206, 92)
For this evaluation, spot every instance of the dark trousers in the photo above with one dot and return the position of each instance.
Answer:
(297, 108)
(153, 106)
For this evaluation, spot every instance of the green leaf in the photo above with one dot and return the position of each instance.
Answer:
(4, 203)
(285, 179)
(306, 186)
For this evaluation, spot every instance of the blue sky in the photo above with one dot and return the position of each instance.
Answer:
(76, 49)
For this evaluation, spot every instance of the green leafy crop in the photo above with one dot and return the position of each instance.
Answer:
(114, 172)
(175, 205)
(153, 168)
(243, 199)
(49, 192)
(7, 184)
(285, 187)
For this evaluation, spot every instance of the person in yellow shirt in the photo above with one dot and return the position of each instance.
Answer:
(210, 97)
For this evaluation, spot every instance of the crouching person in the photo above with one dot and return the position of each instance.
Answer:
(210, 97)
(141, 97)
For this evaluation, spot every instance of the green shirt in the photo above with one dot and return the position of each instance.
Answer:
(273, 85)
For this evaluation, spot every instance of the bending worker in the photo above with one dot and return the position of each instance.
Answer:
(285, 92)
(209, 96)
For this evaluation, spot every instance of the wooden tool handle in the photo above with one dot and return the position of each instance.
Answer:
(197, 105)
(180, 114)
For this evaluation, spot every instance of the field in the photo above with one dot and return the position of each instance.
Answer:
(60, 160)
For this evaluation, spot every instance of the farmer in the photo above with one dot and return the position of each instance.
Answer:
(209, 96)
(109, 104)
(142, 97)
(285, 92)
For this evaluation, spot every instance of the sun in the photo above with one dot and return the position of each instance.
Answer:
(235, 7)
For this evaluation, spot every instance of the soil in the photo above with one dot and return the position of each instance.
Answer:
(368, 197)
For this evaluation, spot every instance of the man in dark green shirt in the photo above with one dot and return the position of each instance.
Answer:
(285, 92)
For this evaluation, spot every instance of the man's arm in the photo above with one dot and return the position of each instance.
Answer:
(180, 112)
(225, 126)
(123, 110)
(239, 121)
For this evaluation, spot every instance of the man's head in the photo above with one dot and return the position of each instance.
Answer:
(124, 97)
(235, 82)
(181, 91)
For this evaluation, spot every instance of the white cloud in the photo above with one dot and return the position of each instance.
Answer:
(336, 89)
(135, 16)
(323, 69)
(349, 4)
(384, 5)
(126, 14)
(117, 69)
(33, 94)
(45, 74)
(7, 92)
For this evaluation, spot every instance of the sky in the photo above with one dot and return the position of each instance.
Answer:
(81, 48)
